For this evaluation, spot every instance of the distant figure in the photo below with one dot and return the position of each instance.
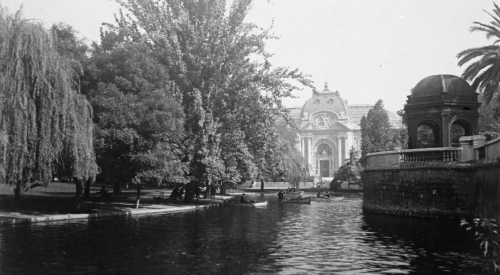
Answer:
(174, 194)
(318, 195)
(180, 193)
(213, 190)
(299, 197)
(327, 194)
(104, 194)
(197, 192)
(281, 195)
(288, 190)
(243, 199)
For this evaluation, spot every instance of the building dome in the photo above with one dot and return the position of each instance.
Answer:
(325, 101)
(436, 85)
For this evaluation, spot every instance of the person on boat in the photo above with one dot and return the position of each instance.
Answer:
(299, 197)
(318, 195)
(243, 199)
(281, 195)
(327, 194)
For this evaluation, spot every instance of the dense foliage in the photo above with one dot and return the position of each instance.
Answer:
(377, 134)
(45, 123)
(229, 92)
(484, 62)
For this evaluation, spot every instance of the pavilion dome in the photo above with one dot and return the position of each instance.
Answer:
(435, 85)
(325, 101)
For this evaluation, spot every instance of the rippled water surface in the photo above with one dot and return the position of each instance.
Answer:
(321, 238)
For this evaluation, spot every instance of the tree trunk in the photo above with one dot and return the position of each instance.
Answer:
(138, 196)
(17, 191)
(208, 193)
(223, 188)
(78, 195)
(189, 192)
(86, 190)
(116, 188)
(261, 185)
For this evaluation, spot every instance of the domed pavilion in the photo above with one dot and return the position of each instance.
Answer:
(443, 103)
(328, 127)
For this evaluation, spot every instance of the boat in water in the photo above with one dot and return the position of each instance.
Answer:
(326, 198)
(297, 201)
(251, 204)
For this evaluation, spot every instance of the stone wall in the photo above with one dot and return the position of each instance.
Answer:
(422, 192)
(465, 188)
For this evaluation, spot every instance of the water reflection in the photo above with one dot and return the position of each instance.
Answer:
(321, 238)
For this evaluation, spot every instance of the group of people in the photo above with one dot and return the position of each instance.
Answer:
(177, 193)
(326, 195)
(243, 199)
(281, 195)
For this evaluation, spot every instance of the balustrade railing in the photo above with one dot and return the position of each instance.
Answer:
(440, 155)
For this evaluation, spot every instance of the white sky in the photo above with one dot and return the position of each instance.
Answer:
(365, 49)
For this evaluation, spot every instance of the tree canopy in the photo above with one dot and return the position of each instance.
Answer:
(44, 120)
(484, 62)
(229, 91)
(377, 135)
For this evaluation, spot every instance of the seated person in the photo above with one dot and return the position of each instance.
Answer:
(243, 199)
(318, 195)
(327, 194)
(104, 195)
(299, 197)
(174, 194)
(180, 193)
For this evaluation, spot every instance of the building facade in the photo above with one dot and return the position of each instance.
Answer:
(327, 129)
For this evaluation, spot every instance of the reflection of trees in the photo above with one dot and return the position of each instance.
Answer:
(429, 246)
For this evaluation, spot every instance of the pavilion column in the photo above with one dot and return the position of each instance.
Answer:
(339, 152)
(350, 141)
(302, 147)
(310, 154)
(346, 150)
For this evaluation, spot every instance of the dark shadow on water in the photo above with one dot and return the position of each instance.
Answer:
(433, 246)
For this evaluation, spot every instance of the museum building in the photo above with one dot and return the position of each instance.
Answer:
(327, 128)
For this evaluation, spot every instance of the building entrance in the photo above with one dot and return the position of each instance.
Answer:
(324, 167)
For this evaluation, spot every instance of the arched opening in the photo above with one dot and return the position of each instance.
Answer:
(427, 134)
(324, 149)
(459, 128)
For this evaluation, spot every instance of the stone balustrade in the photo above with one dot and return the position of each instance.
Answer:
(472, 149)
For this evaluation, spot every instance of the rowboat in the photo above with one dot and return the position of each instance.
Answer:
(326, 199)
(297, 201)
(237, 203)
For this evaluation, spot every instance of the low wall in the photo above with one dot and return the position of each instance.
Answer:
(444, 187)
(278, 185)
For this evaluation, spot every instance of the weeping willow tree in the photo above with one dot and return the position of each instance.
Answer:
(44, 121)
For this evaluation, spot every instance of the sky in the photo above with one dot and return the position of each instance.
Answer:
(365, 49)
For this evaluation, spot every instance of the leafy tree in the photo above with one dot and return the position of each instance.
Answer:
(44, 120)
(350, 171)
(489, 125)
(230, 92)
(484, 62)
(376, 132)
(291, 165)
(139, 117)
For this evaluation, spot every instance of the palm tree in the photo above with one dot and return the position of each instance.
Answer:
(483, 69)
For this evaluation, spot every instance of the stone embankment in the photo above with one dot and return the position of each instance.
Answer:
(436, 182)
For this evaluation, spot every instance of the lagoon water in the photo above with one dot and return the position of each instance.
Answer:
(321, 238)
